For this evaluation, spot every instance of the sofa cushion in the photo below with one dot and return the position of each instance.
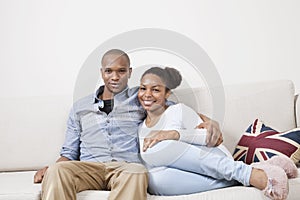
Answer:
(20, 186)
(32, 130)
(261, 142)
(271, 101)
(297, 109)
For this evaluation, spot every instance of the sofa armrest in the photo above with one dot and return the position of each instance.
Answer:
(297, 109)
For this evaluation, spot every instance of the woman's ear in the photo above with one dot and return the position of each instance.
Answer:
(168, 94)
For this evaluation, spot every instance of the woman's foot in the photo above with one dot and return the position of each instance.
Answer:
(286, 164)
(271, 179)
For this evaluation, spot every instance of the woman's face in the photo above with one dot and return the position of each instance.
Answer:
(152, 93)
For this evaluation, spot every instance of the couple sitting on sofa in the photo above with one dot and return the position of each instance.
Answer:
(102, 134)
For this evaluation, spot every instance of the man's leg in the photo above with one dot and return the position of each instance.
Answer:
(126, 181)
(64, 179)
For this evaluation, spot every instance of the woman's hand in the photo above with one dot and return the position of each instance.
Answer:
(156, 136)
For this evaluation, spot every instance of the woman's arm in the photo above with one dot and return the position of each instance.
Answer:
(156, 136)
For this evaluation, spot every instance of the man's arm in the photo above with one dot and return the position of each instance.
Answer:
(214, 135)
(70, 150)
(39, 175)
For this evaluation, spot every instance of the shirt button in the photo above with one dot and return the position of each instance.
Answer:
(109, 133)
(107, 120)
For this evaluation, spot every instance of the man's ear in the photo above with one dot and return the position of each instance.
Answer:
(101, 72)
(130, 71)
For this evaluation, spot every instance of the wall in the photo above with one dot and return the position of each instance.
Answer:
(43, 44)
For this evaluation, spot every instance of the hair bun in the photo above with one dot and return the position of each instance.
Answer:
(174, 77)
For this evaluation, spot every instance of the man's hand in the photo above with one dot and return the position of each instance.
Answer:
(157, 136)
(214, 135)
(39, 175)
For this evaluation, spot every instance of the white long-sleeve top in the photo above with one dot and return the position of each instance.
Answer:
(183, 119)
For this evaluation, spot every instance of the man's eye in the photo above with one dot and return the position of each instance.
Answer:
(122, 71)
(107, 71)
(142, 88)
(156, 90)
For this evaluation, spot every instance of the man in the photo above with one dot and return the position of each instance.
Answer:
(102, 134)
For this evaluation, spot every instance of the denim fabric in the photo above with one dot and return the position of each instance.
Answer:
(94, 136)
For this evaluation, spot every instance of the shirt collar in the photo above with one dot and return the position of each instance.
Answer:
(100, 91)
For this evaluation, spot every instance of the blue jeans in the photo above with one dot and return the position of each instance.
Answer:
(177, 168)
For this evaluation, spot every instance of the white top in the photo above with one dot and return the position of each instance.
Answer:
(183, 119)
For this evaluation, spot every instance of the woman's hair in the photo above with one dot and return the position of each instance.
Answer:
(170, 76)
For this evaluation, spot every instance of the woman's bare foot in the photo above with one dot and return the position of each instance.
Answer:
(258, 178)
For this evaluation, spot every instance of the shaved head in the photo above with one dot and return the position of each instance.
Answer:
(117, 53)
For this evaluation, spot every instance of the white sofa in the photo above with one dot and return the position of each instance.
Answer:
(32, 132)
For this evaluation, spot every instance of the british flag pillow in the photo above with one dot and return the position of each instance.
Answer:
(261, 142)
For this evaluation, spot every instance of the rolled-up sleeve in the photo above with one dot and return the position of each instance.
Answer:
(189, 120)
(70, 148)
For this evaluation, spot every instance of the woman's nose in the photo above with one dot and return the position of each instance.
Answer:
(148, 93)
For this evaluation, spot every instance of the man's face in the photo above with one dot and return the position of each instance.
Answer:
(115, 73)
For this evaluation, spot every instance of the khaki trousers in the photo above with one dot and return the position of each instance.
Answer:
(127, 181)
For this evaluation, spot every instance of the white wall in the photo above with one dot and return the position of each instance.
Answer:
(44, 43)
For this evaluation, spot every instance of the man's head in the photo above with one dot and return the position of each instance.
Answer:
(115, 71)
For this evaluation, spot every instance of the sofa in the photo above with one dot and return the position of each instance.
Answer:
(32, 132)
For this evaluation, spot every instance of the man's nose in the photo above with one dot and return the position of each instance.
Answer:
(115, 76)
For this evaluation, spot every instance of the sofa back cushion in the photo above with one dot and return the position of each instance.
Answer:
(32, 130)
(297, 109)
(271, 101)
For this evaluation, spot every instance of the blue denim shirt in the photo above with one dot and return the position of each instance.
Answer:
(94, 136)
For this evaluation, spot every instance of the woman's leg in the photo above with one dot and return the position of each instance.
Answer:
(212, 162)
(197, 159)
(170, 181)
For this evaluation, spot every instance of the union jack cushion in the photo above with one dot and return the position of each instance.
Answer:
(261, 142)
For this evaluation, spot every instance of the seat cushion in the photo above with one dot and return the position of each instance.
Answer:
(20, 186)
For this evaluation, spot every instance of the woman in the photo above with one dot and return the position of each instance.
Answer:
(188, 161)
